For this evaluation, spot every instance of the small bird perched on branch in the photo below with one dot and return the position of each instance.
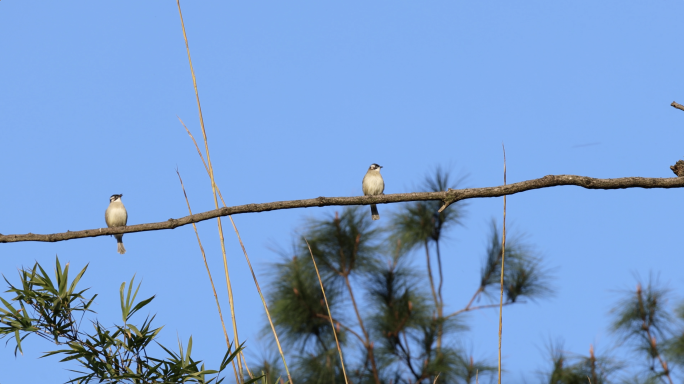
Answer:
(116, 216)
(373, 184)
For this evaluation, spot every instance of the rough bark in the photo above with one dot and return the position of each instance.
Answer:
(447, 197)
(678, 168)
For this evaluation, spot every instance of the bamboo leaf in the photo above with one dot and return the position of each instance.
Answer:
(77, 279)
(139, 306)
(18, 339)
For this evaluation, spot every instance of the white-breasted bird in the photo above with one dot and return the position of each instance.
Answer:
(373, 184)
(116, 216)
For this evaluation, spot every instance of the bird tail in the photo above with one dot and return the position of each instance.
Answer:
(374, 212)
(119, 244)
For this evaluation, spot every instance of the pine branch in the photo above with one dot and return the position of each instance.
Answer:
(447, 197)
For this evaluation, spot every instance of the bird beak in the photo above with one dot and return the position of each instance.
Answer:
(380, 166)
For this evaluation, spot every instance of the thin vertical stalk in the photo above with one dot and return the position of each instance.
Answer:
(213, 288)
(213, 188)
(263, 301)
(440, 306)
(429, 271)
(244, 361)
(244, 250)
(369, 346)
(592, 360)
(503, 256)
(332, 324)
(441, 277)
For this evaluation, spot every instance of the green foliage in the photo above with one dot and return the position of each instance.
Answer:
(399, 332)
(470, 371)
(674, 347)
(399, 306)
(323, 367)
(524, 276)
(270, 371)
(420, 222)
(345, 244)
(642, 313)
(642, 318)
(579, 369)
(117, 354)
(297, 305)
(53, 305)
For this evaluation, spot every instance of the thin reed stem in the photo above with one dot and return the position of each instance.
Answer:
(430, 278)
(204, 257)
(440, 307)
(503, 256)
(263, 301)
(368, 344)
(244, 361)
(213, 187)
(244, 250)
(332, 324)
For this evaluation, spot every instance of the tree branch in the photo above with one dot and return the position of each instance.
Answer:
(448, 197)
(321, 316)
(677, 105)
(468, 309)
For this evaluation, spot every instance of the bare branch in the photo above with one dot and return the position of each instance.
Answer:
(324, 317)
(468, 309)
(447, 197)
(677, 105)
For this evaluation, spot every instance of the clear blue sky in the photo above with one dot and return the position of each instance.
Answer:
(298, 99)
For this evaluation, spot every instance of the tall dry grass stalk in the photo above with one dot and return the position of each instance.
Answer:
(503, 256)
(332, 324)
(263, 301)
(244, 250)
(244, 361)
(213, 188)
(204, 257)
(437, 377)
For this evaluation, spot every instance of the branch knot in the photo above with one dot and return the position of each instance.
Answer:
(678, 168)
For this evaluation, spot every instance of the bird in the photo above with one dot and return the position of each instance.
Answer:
(116, 216)
(373, 184)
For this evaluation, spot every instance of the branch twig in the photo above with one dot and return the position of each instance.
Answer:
(677, 105)
(451, 195)
(468, 309)
(324, 317)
